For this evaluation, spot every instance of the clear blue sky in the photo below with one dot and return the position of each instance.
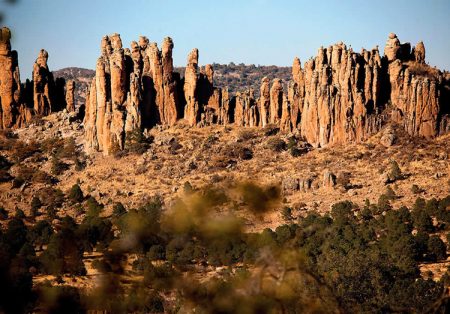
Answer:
(262, 32)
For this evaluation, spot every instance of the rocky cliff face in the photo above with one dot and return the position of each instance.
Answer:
(337, 97)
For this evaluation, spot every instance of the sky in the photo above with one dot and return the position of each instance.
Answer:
(260, 32)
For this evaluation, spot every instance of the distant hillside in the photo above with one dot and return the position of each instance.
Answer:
(82, 78)
(237, 77)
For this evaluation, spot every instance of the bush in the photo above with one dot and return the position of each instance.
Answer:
(390, 194)
(51, 197)
(22, 151)
(41, 177)
(415, 189)
(384, 203)
(276, 144)
(3, 214)
(19, 214)
(395, 172)
(35, 203)
(422, 221)
(136, 142)
(93, 207)
(119, 210)
(76, 194)
(286, 214)
(436, 249)
(58, 167)
(5, 176)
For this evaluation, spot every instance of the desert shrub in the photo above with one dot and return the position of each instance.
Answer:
(187, 187)
(75, 194)
(51, 197)
(58, 166)
(5, 176)
(93, 207)
(395, 173)
(119, 210)
(64, 253)
(415, 189)
(422, 221)
(52, 145)
(276, 144)
(43, 177)
(384, 203)
(343, 179)
(271, 129)
(22, 151)
(237, 151)
(436, 249)
(25, 173)
(390, 194)
(69, 148)
(245, 135)
(156, 252)
(80, 164)
(286, 213)
(36, 203)
(19, 214)
(3, 213)
(136, 142)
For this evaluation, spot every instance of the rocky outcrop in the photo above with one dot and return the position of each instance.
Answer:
(276, 101)
(70, 96)
(329, 179)
(43, 85)
(170, 105)
(192, 108)
(342, 101)
(137, 88)
(265, 101)
(339, 96)
(246, 111)
(9, 81)
(419, 52)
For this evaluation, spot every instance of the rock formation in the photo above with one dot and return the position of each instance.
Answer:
(170, 104)
(43, 85)
(9, 81)
(265, 101)
(19, 102)
(339, 96)
(192, 110)
(276, 101)
(70, 96)
(419, 52)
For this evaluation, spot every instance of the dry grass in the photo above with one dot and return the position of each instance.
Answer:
(421, 69)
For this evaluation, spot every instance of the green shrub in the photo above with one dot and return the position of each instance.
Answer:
(76, 194)
(436, 249)
(395, 172)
